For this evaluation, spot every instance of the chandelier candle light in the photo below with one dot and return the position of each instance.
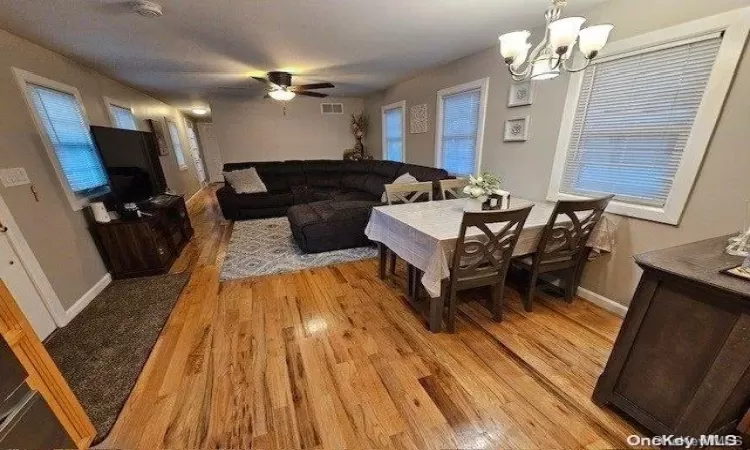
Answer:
(556, 49)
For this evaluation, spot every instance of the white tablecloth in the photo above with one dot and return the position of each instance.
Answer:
(424, 234)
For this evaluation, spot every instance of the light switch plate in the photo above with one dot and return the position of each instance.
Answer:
(14, 176)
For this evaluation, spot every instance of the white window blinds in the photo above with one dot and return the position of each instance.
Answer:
(633, 120)
(68, 132)
(460, 128)
(174, 136)
(393, 127)
(123, 117)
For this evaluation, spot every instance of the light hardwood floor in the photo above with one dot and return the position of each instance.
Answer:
(335, 358)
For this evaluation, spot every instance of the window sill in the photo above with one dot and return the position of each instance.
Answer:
(183, 168)
(650, 213)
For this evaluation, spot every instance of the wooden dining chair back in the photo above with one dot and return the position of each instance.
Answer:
(399, 194)
(408, 192)
(451, 189)
(562, 244)
(482, 259)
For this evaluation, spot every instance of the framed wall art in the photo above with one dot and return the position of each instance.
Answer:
(419, 120)
(520, 94)
(517, 130)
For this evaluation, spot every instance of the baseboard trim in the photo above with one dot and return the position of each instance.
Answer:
(603, 302)
(86, 298)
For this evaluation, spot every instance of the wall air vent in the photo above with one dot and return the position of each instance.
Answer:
(332, 108)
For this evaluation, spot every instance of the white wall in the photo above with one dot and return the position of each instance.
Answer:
(257, 129)
(716, 204)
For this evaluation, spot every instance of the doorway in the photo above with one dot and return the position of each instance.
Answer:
(196, 154)
(211, 152)
(15, 273)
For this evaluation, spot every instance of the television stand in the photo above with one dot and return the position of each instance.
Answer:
(147, 245)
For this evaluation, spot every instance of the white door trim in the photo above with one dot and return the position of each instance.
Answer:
(30, 263)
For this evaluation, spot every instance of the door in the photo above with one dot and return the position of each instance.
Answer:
(211, 152)
(14, 275)
(196, 154)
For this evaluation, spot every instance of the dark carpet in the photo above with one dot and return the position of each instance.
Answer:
(102, 351)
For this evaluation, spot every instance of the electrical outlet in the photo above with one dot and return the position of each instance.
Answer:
(14, 176)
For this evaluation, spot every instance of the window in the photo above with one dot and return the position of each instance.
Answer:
(61, 121)
(639, 122)
(394, 130)
(460, 112)
(174, 136)
(121, 116)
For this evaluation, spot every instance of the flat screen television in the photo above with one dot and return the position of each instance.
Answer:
(131, 159)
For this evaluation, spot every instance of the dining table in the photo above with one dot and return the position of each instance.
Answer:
(424, 234)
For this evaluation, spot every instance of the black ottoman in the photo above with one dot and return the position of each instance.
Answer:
(330, 225)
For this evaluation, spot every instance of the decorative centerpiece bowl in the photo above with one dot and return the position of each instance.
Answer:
(484, 192)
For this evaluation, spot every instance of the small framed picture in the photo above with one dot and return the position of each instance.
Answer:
(517, 130)
(520, 94)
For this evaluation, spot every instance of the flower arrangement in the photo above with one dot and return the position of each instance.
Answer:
(483, 186)
(359, 125)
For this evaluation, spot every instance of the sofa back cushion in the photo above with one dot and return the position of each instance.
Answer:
(354, 181)
(387, 169)
(423, 173)
(375, 184)
(323, 173)
(276, 175)
(367, 176)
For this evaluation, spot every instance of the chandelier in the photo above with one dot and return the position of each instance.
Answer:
(556, 49)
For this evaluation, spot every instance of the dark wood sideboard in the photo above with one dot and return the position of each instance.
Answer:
(147, 245)
(681, 362)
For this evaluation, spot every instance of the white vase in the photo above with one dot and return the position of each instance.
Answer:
(474, 204)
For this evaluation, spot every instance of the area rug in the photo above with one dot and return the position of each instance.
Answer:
(265, 246)
(102, 351)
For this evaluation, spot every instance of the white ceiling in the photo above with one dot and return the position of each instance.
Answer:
(200, 47)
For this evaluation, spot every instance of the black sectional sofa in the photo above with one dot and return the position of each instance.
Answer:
(328, 202)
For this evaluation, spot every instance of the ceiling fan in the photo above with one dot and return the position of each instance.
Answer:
(280, 87)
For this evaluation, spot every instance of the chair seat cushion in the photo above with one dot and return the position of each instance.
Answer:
(527, 261)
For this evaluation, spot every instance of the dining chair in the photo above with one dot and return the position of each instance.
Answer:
(408, 192)
(450, 189)
(562, 246)
(484, 259)
(399, 194)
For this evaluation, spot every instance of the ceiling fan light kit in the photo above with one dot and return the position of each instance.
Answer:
(556, 48)
(280, 87)
(282, 95)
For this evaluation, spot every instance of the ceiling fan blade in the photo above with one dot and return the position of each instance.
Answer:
(315, 86)
(311, 94)
(267, 82)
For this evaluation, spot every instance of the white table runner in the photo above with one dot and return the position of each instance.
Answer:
(424, 234)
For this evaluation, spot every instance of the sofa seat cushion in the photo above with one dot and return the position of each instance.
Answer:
(265, 200)
(344, 195)
(330, 225)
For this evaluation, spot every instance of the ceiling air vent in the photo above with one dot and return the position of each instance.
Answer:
(332, 108)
